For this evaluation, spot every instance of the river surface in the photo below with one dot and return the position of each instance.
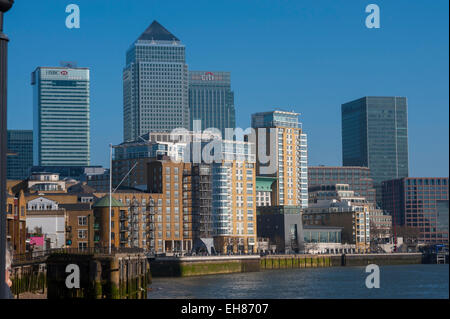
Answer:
(403, 281)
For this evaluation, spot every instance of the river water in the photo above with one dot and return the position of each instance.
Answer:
(405, 281)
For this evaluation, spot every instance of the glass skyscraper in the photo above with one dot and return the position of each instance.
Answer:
(61, 116)
(155, 84)
(20, 142)
(211, 100)
(375, 135)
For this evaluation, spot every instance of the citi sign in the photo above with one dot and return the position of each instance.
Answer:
(208, 76)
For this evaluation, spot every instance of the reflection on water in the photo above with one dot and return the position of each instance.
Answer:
(410, 281)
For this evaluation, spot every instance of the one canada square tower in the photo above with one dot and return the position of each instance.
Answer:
(155, 84)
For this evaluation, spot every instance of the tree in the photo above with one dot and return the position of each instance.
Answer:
(409, 234)
(377, 234)
(37, 232)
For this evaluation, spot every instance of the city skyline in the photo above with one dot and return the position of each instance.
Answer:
(319, 114)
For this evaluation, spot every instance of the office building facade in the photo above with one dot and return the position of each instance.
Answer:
(61, 98)
(211, 100)
(155, 84)
(357, 177)
(290, 154)
(418, 202)
(20, 143)
(282, 226)
(375, 135)
(264, 192)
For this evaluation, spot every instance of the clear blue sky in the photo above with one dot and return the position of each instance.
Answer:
(309, 56)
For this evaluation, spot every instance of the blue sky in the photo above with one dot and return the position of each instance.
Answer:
(307, 56)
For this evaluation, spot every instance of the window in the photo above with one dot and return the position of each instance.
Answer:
(82, 220)
(82, 233)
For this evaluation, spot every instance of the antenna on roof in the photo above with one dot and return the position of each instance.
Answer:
(68, 64)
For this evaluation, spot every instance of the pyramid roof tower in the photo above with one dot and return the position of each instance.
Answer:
(157, 32)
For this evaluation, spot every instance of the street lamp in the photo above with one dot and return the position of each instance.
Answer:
(5, 5)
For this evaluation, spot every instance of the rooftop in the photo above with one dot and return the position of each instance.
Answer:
(264, 184)
(77, 206)
(157, 32)
(104, 202)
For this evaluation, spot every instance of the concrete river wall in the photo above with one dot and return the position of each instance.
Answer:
(208, 265)
(382, 259)
(205, 265)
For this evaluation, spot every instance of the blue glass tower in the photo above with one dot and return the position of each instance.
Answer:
(211, 100)
(375, 135)
(20, 143)
(61, 116)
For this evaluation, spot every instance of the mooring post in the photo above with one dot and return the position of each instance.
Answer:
(114, 277)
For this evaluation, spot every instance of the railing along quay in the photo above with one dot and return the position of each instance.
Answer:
(41, 255)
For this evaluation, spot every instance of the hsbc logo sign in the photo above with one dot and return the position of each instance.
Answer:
(54, 72)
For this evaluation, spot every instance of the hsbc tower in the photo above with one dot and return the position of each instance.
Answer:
(61, 116)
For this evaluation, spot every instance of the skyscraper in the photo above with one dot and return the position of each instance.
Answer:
(155, 84)
(211, 100)
(375, 135)
(290, 153)
(61, 116)
(20, 142)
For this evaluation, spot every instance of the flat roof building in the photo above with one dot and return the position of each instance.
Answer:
(278, 135)
(358, 178)
(61, 113)
(419, 202)
(20, 142)
(283, 226)
(375, 135)
(211, 100)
